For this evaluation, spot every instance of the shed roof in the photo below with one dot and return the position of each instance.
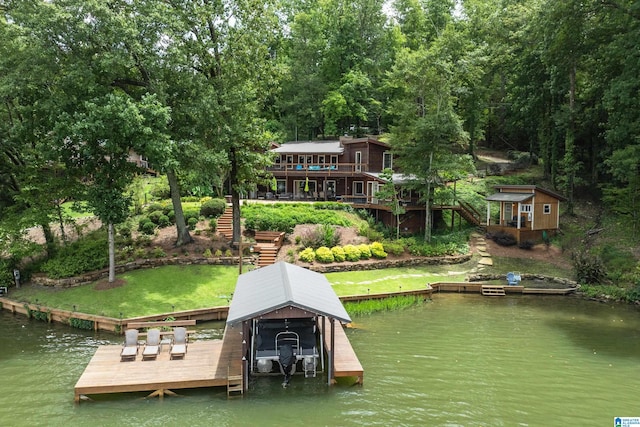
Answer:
(281, 285)
(509, 197)
(310, 147)
(531, 188)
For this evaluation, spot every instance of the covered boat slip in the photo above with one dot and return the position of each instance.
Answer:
(284, 308)
(206, 364)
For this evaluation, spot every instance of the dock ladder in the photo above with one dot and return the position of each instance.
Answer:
(493, 290)
(235, 386)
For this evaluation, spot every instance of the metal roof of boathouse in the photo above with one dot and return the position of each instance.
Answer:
(282, 285)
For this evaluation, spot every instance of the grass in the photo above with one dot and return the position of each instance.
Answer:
(174, 288)
(146, 292)
(503, 265)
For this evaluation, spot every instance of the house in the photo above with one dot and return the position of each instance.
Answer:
(346, 170)
(525, 211)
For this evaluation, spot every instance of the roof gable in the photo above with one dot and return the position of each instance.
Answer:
(280, 285)
(528, 188)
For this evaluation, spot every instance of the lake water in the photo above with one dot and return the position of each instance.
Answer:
(460, 360)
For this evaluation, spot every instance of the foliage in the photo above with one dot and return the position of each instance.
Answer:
(322, 235)
(526, 244)
(285, 216)
(588, 268)
(324, 255)
(338, 254)
(365, 251)
(352, 253)
(213, 224)
(146, 226)
(307, 255)
(6, 273)
(81, 256)
(503, 238)
(212, 208)
(371, 306)
(81, 323)
(394, 247)
(377, 250)
(192, 222)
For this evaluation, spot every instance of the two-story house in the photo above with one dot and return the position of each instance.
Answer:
(346, 170)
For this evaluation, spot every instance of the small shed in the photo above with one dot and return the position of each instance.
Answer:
(284, 308)
(526, 211)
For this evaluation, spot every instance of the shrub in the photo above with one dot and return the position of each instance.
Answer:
(504, 239)
(163, 221)
(228, 253)
(324, 254)
(191, 223)
(157, 252)
(161, 191)
(365, 251)
(153, 207)
(395, 248)
(124, 230)
(307, 255)
(148, 227)
(6, 273)
(218, 253)
(527, 244)
(338, 254)
(588, 268)
(207, 253)
(377, 250)
(212, 208)
(213, 224)
(322, 235)
(352, 253)
(81, 256)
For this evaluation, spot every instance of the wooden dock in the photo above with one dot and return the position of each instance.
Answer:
(346, 362)
(206, 364)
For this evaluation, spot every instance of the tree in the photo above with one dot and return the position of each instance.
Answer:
(388, 194)
(96, 141)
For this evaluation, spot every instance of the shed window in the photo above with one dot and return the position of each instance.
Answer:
(546, 209)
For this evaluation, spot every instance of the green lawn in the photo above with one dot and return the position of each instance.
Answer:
(174, 288)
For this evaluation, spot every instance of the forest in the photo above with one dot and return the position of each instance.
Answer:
(201, 88)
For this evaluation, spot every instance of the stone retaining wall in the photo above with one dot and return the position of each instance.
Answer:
(386, 263)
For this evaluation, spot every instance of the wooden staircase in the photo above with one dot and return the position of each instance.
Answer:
(469, 213)
(268, 255)
(225, 223)
(493, 290)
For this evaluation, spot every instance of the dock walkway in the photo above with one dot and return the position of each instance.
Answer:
(346, 362)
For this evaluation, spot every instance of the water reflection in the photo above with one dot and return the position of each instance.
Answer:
(461, 360)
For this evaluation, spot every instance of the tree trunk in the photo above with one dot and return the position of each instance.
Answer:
(112, 253)
(181, 226)
(235, 197)
(50, 240)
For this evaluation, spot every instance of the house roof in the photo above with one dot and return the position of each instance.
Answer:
(282, 285)
(310, 147)
(532, 188)
(509, 197)
(368, 139)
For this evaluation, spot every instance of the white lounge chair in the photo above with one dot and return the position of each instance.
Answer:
(152, 347)
(130, 346)
(179, 343)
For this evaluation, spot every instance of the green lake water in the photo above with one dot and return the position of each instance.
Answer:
(460, 360)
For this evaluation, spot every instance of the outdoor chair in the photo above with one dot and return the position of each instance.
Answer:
(130, 346)
(513, 279)
(179, 345)
(152, 346)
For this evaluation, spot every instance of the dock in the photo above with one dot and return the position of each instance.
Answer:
(346, 362)
(206, 364)
(493, 290)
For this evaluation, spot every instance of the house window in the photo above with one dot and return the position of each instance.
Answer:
(281, 186)
(358, 188)
(387, 160)
(358, 161)
(301, 159)
(277, 162)
(321, 160)
(546, 209)
(528, 209)
(289, 162)
(309, 160)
